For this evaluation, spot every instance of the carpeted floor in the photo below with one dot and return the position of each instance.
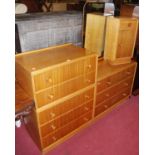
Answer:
(115, 134)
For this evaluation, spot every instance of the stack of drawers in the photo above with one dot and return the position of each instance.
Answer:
(114, 84)
(61, 81)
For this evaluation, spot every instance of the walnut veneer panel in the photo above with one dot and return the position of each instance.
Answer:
(121, 33)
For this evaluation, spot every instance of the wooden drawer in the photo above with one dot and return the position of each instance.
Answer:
(65, 119)
(90, 64)
(58, 75)
(113, 90)
(128, 25)
(109, 102)
(111, 80)
(64, 107)
(51, 138)
(62, 90)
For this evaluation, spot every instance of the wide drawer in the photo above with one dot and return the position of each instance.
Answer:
(65, 119)
(63, 73)
(113, 79)
(64, 107)
(109, 102)
(62, 90)
(113, 90)
(51, 138)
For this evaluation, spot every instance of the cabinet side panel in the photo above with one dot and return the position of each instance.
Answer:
(94, 37)
(111, 38)
(24, 79)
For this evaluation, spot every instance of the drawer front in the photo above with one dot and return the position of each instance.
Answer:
(51, 138)
(109, 102)
(59, 91)
(90, 64)
(128, 25)
(65, 119)
(113, 90)
(111, 80)
(64, 107)
(58, 75)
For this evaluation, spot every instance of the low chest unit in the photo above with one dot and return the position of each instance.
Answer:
(70, 89)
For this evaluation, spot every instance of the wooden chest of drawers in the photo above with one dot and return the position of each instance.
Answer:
(114, 84)
(61, 81)
(71, 89)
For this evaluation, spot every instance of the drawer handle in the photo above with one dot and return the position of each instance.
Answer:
(87, 97)
(51, 96)
(126, 84)
(85, 119)
(88, 81)
(124, 94)
(128, 73)
(107, 95)
(108, 82)
(89, 66)
(105, 106)
(54, 138)
(53, 127)
(49, 80)
(52, 114)
(86, 108)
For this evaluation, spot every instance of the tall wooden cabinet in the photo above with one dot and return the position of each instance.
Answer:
(70, 89)
(120, 38)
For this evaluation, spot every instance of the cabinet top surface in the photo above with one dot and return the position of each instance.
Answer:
(40, 59)
(105, 69)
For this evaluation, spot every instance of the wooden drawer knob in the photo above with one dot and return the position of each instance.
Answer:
(98, 83)
(107, 95)
(52, 114)
(51, 96)
(54, 138)
(128, 73)
(89, 66)
(124, 94)
(105, 106)
(108, 82)
(88, 81)
(53, 127)
(49, 80)
(86, 108)
(126, 84)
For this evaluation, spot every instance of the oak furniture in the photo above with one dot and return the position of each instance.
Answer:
(120, 38)
(70, 89)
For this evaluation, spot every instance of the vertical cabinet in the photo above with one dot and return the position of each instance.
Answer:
(120, 38)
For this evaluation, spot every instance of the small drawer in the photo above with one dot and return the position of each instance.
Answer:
(113, 90)
(59, 91)
(64, 107)
(127, 25)
(53, 137)
(111, 101)
(111, 80)
(90, 64)
(65, 119)
(58, 75)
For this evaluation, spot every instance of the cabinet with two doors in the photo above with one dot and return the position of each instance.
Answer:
(70, 89)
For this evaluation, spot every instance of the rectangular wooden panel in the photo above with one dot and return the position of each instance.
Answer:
(62, 90)
(51, 138)
(94, 36)
(66, 118)
(66, 106)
